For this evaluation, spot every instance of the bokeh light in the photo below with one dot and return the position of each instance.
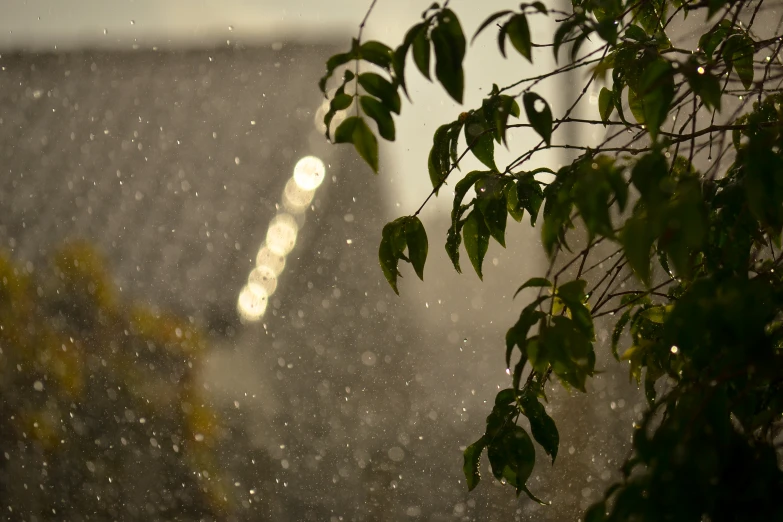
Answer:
(281, 236)
(271, 260)
(252, 302)
(309, 173)
(264, 277)
(295, 198)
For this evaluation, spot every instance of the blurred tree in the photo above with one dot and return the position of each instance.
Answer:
(100, 413)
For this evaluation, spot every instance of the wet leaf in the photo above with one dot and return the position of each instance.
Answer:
(472, 466)
(475, 234)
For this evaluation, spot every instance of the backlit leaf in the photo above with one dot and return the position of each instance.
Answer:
(449, 44)
(475, 234)
(381, 88)
(472, 466)
(418, 246)
(421, 52)
(605, 104)
(540, 117)
(519, 34)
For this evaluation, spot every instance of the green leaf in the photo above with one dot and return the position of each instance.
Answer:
(438, 162)
(449, 44)
(531, 496)
(540, 120)
(478, 136)
(738, 54)
(380, 113)
(381, 88)
(606, 29)
(530, 196)
(565, 346)
(573, 296)
(355, 130)
(541, 425)
(618, 331)
(517, 334)
(512, 455)
(496, 110)
(636, 104)
(421, 52)
(377, 53)
(710, 40)
(476, 236)
(634, 32)
(519, 34)
(713, 6)
(488, 21)
(637, 242)
(655, 314)
(387, 255)
(472, 466)
(333, 63)
(341, 102)
(605, 104)
(706, 86)
(563, 33)
(495, 217)
(685, 225)
(534, 282)
(454, 239)
(657, 90)
(416, 238)
(515, 210)
(591, 193)
(401, 54)
(506, 397)
(502, 40)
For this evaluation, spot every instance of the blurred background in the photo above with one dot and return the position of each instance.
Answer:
(194, 325)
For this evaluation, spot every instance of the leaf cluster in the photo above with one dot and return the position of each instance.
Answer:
(698, 246)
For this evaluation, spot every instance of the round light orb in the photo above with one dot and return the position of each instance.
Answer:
(269, 259)
(252, 302)
(295, 198)
(281, 236)
(309, 173)
(264, 277)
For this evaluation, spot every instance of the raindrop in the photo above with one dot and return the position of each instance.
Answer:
(396, 454)
(369, 358)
